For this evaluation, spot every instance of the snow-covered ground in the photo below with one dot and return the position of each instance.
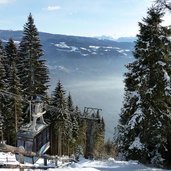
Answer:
(84, 165)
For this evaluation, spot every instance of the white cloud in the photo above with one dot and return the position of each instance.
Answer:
(5, 1)
(53, 8)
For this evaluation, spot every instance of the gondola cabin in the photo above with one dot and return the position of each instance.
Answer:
(34, 136)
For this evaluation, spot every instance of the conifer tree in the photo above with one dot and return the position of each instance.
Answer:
(99, 136)
(2, 67)
(144, 125)
(81, 141)
(32, 69)
(60, 118)
(13, 113)
(74, 123)
(2, 85)
(109, 149)
(74, 117)
(165, 4)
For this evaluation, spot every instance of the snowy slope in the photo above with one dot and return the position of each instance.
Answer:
(84, 165)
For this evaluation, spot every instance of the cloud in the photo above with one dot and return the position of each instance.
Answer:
(53, 8)
(5, 1)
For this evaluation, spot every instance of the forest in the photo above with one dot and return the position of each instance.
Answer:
(23, 75)
(143, 132)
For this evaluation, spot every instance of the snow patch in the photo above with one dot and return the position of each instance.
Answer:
(161, 63)
(84, 54)
(83, 165)
(136, 144)
(137, 118)
(64, 46)
(94, 47)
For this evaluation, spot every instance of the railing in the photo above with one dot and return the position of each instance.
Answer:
(22, 152)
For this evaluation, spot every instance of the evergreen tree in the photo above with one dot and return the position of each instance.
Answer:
(99, 136)
(109, 149)
(32, 69)
(82, 124)
(2, 86)
(74, 123)
(164, 4)
(70, 103)
(13, 112)
(60, 117)
(59, 101)
(144, 125)
(2, 67)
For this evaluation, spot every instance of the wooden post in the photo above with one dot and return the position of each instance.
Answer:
(56, 161)
(21, 159)
(45, 161)
(21, 168)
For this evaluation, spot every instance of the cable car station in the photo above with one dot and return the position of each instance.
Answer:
(34, 136)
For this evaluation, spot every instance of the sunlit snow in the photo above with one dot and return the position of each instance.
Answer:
(83, 165)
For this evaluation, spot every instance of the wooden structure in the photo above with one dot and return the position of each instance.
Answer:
(23, 153)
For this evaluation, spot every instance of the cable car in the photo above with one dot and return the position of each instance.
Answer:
(34, 136)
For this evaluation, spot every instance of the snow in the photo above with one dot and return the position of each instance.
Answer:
(161, 63)
(84, 54)
(84, 165)
(94, 47)
(122, 51)
(137, 118)
(166, 76)
(136, 144)
(63, 45)
(167, 79)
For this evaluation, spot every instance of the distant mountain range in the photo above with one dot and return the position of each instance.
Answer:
(81, 56)
(120, 39)
(90, 68)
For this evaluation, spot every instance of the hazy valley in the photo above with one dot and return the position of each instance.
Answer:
(91, 69)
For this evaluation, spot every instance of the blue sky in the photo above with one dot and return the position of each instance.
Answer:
(116, 18)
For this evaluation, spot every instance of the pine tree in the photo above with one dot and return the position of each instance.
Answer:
(81, 141)
(74, 118)
(2, 67)
(32, 69)
(144, 125)
(59, 121)
(59, 101)
(13, 112)
(2, 87)
(99, 136)
(109, 149)
(164, 4)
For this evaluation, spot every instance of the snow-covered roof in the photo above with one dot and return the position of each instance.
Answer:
(27, 132)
